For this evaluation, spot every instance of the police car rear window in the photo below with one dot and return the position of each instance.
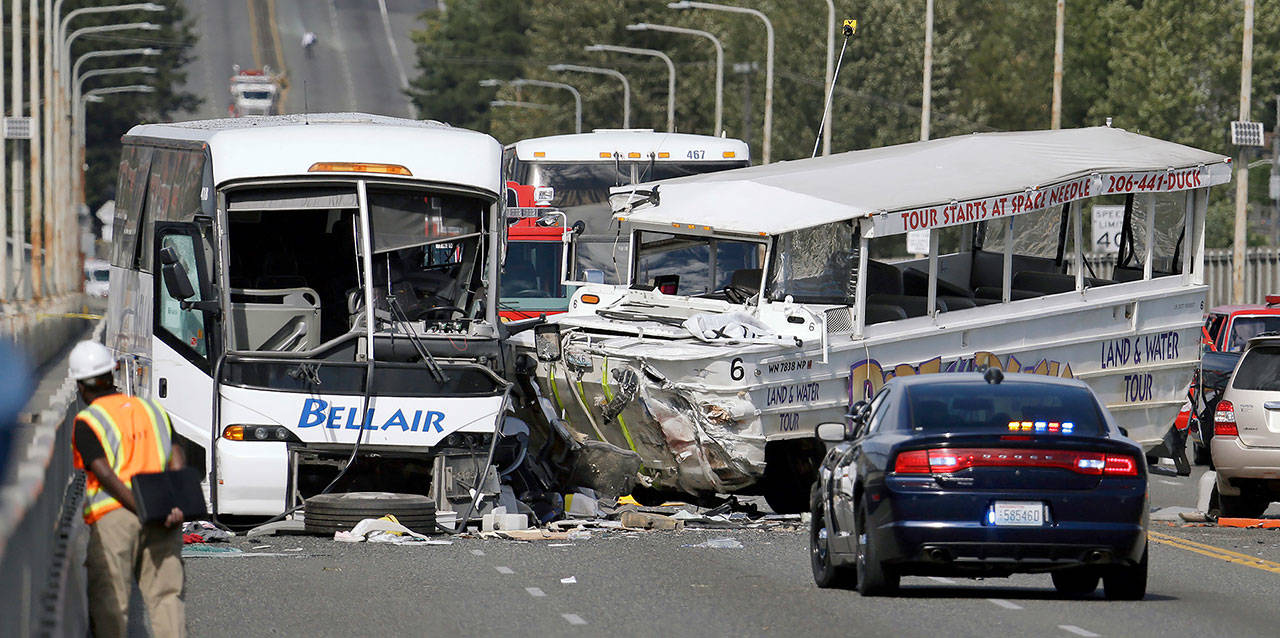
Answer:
(982, 407)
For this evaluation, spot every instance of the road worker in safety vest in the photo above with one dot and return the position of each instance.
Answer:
(116, 437)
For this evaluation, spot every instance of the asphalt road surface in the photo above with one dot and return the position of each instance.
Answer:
(1204, 581)
(361, 61)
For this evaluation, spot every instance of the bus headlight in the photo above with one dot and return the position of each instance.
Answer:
(277, 433)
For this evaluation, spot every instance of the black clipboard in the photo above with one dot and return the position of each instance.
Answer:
(157, 494)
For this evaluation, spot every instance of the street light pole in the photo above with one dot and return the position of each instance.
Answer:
(78, 124)
(577, 97)
(767, 145)
(671, 74)
(18, 189)
(58, 111)
(1055, 118)
(927, 97)
(719, 116)
(522, 105)
(831, 60)
(626, 86)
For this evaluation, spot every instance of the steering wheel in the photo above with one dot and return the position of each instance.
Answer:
(737, 294)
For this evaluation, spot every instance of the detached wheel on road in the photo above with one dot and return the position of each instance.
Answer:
(874, 577)
(1128, 582)
(1080, 581)
(825, 573)
(329, 513)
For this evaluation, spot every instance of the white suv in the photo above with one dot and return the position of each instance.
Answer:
(1246, 432)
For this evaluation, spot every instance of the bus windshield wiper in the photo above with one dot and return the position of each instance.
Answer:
(401, 320)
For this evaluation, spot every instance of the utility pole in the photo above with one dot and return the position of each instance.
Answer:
(1274, 185)
(4, 171)
(928, 71)
(1242, 162)
(33, 145)
(1055, 120)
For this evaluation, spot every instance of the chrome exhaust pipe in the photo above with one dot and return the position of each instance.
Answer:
(937, 554)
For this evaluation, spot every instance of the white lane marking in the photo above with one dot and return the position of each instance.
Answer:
(1000, 602)
(535, 592)
(1168, 482)
(573, 619)
(940, 579)
(395, 54)
(503, 569)
(1078, 631)
(343, 59)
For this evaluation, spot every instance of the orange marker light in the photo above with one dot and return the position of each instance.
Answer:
(664, 155)
(233, 433)
(591, 299)
(359, 167)
(539, 153)
(633, 155)
(730, 154)
(605, 154)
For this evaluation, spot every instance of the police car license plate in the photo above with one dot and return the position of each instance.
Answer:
(1019, 513)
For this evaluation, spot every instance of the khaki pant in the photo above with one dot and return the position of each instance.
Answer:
(121, 549)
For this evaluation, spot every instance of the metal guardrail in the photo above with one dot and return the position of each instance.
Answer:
(41, 593)
(1261, 271)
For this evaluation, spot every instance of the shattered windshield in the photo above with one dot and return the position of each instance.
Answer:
(295, 270)
(813, 265)
(427, 250)
(691, 265)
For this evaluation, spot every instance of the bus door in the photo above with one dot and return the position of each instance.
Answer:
(186, 328)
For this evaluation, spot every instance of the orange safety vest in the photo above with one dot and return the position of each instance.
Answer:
(136, 436)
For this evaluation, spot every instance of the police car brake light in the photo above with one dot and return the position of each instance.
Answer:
(912, 462)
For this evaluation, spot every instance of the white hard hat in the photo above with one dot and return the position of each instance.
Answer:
(90, 359)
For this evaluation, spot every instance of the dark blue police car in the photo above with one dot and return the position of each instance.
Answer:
(981, 475)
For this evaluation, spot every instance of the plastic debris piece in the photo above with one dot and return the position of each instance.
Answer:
(384, 530)
(628, 500)
(645, 520)
(261, 547)
(718, 543)
(572, 580)
(579, 535)
(559, 544)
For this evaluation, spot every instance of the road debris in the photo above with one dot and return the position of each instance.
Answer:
(572, 580)
(718, 543)
(384, 530)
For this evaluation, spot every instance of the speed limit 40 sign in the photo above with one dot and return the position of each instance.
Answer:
(1107, 222)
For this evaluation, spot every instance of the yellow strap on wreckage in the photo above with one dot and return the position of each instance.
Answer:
(608, 396)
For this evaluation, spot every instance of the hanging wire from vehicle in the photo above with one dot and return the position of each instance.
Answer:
(850, 26)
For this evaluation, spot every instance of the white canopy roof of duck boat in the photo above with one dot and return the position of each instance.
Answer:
(925, 185)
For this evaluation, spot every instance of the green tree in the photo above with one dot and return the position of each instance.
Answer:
(471, 41)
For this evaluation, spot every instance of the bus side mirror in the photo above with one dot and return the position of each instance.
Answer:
(176, 281)
(831, 432)
(546, 342)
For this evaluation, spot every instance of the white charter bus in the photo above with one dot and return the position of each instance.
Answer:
(248, 255)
